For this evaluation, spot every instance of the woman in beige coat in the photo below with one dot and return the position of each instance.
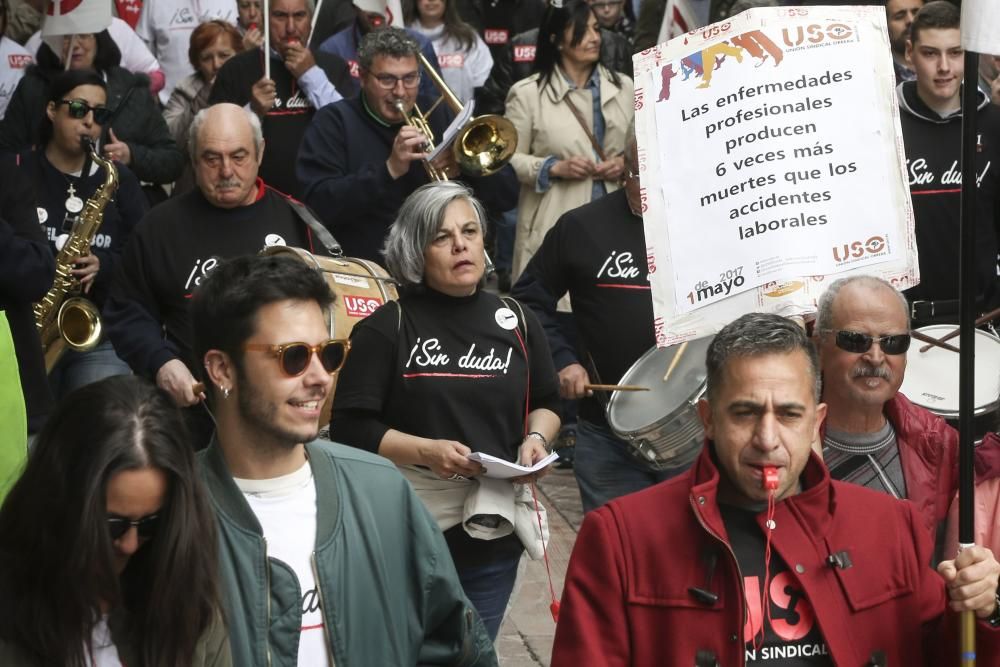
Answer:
(556, 161)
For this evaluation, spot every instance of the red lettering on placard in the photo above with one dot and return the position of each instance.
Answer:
(524, 53)
(361, 306)
(456, 60)
(496, 36)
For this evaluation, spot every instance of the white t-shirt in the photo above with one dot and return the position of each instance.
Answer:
(462, 69)
(103, 652)
(14, 60)
(286, 509)
(166, 27)
(135, 56)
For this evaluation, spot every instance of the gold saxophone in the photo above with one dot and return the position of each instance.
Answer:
(75, 323)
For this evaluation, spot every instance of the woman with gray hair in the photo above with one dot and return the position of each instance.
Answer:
(447, 370)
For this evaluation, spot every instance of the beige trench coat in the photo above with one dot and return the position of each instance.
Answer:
(546, 126)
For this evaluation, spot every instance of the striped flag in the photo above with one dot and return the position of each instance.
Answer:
(75, 17)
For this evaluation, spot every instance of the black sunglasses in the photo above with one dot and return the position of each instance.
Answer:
(145, 527)
(859, 343)
(294, 357)
(79, 109)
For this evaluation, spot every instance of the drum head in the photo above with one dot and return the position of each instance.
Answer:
(931, 379)
(633, 411)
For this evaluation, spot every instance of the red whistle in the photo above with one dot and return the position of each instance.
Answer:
(770, 478)
(554, 609)
(253, 26)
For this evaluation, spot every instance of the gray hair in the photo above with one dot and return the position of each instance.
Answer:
(754, 335)
(824, 316)
(391, 42)
(199, 119)
(418, 220)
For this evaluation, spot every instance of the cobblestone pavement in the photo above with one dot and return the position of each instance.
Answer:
(526, 635)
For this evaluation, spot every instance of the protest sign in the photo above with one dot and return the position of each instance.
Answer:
(771, 158)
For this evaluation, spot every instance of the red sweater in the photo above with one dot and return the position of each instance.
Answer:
(627, 600)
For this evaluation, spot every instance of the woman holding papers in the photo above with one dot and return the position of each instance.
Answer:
(571, 117)
(446, 371)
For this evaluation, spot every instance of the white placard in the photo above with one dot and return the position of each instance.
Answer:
(771, 158)
(981, 26)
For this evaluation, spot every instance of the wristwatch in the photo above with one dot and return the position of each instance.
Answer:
(539, 436)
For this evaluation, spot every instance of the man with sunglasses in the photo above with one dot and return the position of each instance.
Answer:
(232, 212)
(327, 555)
(360, 158)
(874, 436)
(301, 82)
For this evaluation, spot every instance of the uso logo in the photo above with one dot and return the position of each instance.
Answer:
(354, 68)
(814, 34)
(18, 60)
(524, 53)
(361, 306)
(873, 246)
(495, 36)
(453, 60)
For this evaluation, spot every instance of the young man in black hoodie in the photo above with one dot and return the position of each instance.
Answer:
(931, 117)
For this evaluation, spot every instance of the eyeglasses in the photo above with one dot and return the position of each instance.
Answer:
(294, 358)
(145, 527)
(859, 343)
(79, 109)
(388, 81)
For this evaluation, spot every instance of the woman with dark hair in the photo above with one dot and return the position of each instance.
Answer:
(447, 370)
(107, 541)
(463, 56)
(571, 117)
(135, 133)
(75, 109)
(212, 44)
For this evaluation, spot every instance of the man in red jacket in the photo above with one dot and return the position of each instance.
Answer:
(755, 556)
(873, 435)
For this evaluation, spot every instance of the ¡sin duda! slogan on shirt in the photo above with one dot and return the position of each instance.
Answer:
(792, 164)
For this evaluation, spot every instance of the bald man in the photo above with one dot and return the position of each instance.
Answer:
(231, 213)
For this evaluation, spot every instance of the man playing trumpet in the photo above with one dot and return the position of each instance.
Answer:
(361, 157)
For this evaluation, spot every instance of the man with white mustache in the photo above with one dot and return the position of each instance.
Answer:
(873, 435)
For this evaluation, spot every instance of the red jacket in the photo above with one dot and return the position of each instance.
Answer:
(627, 599)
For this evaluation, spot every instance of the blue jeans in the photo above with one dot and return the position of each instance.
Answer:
(76, 369)
(506, 224)
(605, 469)
(488, 588)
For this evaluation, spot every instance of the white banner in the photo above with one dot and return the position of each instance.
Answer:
(771, 156)
(981, 26)
(76, 17)
(680, 16)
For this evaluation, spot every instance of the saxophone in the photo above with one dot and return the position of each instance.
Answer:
(74, 322)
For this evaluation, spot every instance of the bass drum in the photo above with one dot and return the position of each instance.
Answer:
(360, 285)
(661, 425)
(931, 379)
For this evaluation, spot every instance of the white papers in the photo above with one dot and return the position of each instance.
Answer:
(499, 469)
(449, 135)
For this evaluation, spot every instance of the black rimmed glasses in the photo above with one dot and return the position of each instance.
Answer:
(80, 108)
(294, 358)
(145, 527)
(388, 81)
(859, 343)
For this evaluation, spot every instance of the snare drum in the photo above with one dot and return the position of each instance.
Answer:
(931, 379)
(661, 425)
(360, 286)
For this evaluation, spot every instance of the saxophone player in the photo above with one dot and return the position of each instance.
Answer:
(65, 179)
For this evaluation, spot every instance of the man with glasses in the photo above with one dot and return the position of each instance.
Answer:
(597, 254)
(232, 212)
(327, 555)
(874, 436)
(360, 158)
(301, 82)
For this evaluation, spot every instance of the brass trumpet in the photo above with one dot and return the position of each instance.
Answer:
(482, 146)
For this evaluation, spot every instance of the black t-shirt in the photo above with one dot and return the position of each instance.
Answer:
(285, 124)
(792, 638)
(174, 247)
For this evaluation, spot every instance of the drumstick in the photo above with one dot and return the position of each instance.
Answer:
(675, 360)
(951, 334)
(614, 387)
(932, 342)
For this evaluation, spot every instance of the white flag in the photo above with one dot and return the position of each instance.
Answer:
(391, 9)
(981, 26)
(76, 17)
